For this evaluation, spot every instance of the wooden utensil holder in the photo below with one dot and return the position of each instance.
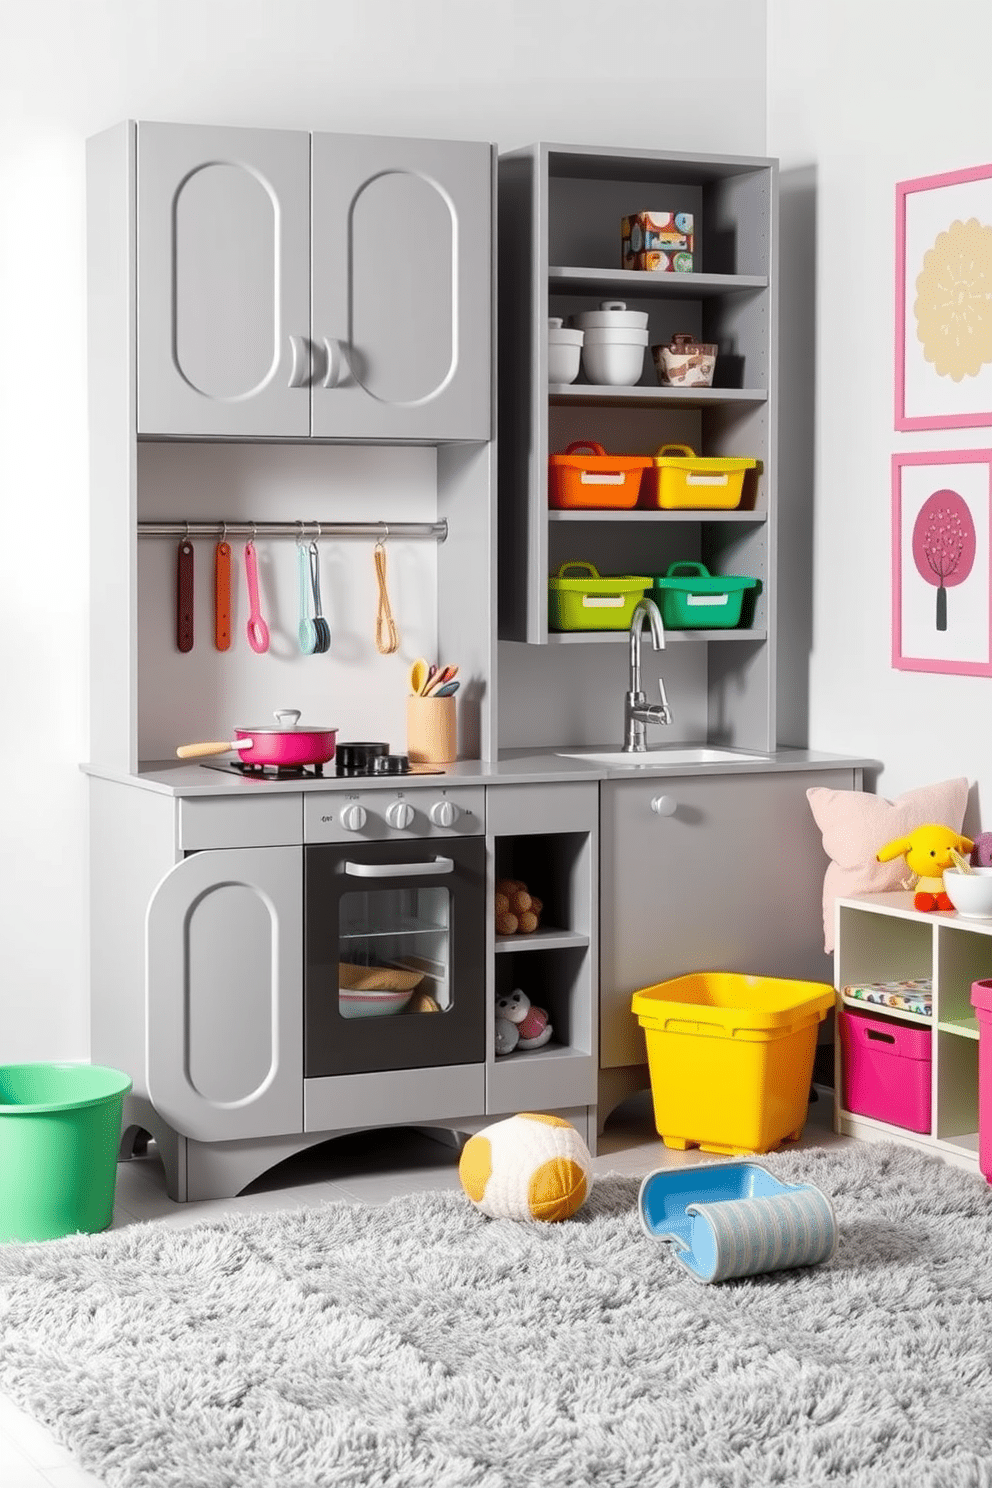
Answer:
(431, 730)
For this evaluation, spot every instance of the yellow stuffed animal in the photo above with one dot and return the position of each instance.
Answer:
(928, 851)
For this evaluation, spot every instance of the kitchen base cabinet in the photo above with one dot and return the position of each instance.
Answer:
(547, 836)
(197, 971)
(704, 874)
(881, 938)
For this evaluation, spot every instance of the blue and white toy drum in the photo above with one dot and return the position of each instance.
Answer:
(736, 1219)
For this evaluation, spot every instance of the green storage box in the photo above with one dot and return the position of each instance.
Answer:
(691, 598)
(592, 602)
(60, 1129)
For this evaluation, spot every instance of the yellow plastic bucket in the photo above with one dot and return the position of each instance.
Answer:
(730, 1057)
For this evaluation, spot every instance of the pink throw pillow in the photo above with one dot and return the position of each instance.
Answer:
(855, 825)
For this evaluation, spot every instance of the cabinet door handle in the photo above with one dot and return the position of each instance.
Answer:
(301, 369)
(664, 805)
(337, 363)
(399, 870)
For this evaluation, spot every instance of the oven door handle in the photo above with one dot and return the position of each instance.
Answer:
(400, 870)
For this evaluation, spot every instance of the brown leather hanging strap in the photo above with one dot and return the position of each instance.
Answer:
(222, 596)
(184, 595)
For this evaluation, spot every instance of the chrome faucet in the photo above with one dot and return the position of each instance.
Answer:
(637, 711)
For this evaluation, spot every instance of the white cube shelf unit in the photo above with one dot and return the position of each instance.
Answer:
(881, 938)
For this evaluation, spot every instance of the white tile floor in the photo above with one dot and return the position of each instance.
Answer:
(367, 1168)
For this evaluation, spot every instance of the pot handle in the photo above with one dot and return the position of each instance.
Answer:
(218, 746)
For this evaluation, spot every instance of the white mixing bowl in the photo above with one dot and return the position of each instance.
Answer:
(970, 893)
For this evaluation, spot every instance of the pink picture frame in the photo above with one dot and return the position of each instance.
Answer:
(943, 310)
(941, 564)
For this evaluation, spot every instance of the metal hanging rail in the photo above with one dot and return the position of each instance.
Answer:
(311, 529)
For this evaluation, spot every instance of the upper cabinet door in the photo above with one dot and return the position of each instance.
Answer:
(223, 281)
(402, 288)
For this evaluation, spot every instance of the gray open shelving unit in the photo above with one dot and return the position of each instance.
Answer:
(559, 246)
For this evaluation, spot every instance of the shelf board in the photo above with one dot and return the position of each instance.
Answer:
(644, 514)
(967, 1027)
(563, 279)
(568, 394)
(547, 1051)
(542, 939)
(881, 1010)
(672, 637)
(965, 1142)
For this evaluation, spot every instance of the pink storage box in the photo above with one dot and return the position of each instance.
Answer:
(886, 1070)
(981, 1001)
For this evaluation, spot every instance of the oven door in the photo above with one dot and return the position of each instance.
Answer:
(394, 936)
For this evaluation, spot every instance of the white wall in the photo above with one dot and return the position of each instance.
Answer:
(860, 97)
(511, 71)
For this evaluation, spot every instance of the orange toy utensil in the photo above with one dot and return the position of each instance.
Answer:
(446, 674)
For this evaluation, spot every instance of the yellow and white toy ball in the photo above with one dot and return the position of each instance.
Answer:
(526, 1167)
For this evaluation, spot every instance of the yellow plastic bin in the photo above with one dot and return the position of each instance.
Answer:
(730, 1057)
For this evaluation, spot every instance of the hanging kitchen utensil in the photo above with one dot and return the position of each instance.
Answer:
(258, 631)
(184, 594)
(307, 630)
(320, 625)
(222, 593)
(386, 638)
(286, 744)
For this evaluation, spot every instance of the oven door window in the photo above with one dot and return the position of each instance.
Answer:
(395, 952)
(394, 956)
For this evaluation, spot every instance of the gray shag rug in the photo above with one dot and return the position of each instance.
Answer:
(417, 1344)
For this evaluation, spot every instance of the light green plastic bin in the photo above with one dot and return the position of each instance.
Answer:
(60, 1130)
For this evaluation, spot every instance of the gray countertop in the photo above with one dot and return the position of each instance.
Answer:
(514, 766)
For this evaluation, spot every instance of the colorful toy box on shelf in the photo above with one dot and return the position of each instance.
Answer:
(658, 242)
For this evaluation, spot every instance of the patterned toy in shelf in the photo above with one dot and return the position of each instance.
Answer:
(913, 996)
(520, 1025)
(517, 910)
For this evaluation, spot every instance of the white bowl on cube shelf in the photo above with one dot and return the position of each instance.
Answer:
(970, 893)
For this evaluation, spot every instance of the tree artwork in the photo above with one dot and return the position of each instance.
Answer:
(944, 545)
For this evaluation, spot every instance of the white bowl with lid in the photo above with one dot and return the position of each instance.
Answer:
(612, 315)
(564, 351)
(614, 358)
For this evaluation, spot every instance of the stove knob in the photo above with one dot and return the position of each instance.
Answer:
(353, 818)
(399, 814)
(444, 813)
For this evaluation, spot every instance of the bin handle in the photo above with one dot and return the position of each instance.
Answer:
(688, 566)
(684, 450)
(585, 444)
(883, 1038)
(589, 568)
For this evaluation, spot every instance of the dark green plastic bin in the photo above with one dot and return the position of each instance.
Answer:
(60, 1130)
(691, 598)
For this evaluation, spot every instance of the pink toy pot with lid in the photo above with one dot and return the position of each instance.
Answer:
(286, 743)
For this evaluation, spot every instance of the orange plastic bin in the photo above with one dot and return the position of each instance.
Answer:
(586, 476)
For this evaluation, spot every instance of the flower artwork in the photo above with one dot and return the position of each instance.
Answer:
(941, 567)
(944, 301)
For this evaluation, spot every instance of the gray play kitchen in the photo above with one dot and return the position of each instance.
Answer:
(336, 695)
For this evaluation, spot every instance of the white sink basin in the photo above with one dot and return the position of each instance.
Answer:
(652, 758)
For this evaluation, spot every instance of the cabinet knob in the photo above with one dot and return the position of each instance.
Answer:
(299, 375)
(336, 363)
(664, 805)
(444, 813)
(353, 818)
(399, 814)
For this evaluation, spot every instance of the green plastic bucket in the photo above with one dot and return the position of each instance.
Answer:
(60, 1129)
